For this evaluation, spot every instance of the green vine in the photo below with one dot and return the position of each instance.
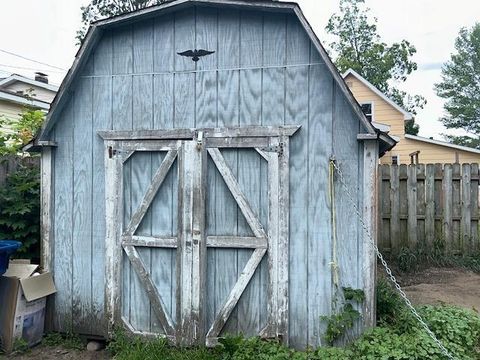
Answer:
(356, 295)
(338, 324)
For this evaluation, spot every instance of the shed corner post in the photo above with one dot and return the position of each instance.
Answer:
(47, 208)
(113, 252)
(370, 191)
(47, 216)
(283, 241)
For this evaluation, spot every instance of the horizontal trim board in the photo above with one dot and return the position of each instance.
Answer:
(367, 137)
(150, 241)
(237, 242)
(150, 145)
(240, 142)
(190, 134)
(198, 71)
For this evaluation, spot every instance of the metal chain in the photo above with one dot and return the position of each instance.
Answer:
(387, 269)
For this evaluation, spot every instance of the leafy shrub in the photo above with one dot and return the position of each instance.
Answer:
(389, 303)
(457, 328)
(338, 324)
(15, 133)
(331, 353)
(20, 210)
(385, 343)
(357, 295)
(230, 344)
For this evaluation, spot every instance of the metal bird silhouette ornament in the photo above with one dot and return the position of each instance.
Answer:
(195, 54)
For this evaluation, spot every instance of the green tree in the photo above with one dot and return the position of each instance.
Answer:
(473, 142)
(15, 133)
(101, 9)
(20, 209)
(20, 195)
(358, 46)
(411, 127)
(460, 86)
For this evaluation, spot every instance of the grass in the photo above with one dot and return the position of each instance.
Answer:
(413, 260)
(69, 341)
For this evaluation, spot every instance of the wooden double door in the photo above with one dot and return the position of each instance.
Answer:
(165, 211)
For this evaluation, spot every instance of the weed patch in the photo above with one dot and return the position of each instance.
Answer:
(67, 341)
(399, 337)
(413, 260)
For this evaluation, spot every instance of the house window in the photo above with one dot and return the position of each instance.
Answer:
(395, 160)
(367, 109)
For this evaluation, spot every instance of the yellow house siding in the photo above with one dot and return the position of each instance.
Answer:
(382, 111)
(385, 113)
(429, 153)
(10, 110)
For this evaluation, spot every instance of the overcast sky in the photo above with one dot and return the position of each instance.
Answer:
(45, 30)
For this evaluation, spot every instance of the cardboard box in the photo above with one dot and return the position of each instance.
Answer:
(23, 297)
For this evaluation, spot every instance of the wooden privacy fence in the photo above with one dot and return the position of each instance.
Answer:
(427, 205)
(9, 164)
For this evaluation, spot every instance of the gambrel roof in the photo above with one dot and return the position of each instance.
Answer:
(96, 29)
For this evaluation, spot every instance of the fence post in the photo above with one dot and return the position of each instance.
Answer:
(474, 208)
(430, 205)
(394, 208)
(447, 207)
(466, 220)
(412, 206)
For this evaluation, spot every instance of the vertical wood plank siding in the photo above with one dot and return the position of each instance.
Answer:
(264, 71)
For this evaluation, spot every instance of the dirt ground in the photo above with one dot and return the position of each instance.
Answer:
(49, 353)
(431, 286)
(443, 285)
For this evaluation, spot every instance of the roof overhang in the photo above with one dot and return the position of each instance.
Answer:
(14, 78)
(96, 29)
(17, 99)
(386, 142)
(442, 143)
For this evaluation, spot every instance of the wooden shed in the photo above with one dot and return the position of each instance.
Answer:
(185, 177)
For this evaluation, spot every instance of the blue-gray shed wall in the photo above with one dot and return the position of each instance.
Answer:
(265, 71)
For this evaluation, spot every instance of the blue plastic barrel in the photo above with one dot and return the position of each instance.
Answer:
(7, 248)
